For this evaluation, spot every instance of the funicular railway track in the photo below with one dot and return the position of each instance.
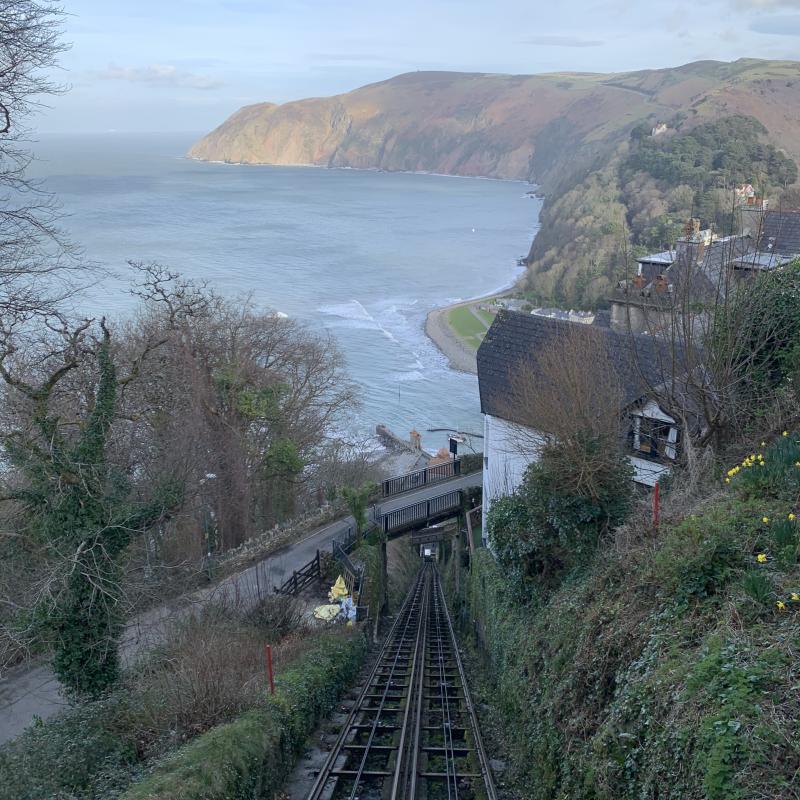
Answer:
(412, 734)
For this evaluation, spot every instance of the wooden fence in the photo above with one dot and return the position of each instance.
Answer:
(302, 577)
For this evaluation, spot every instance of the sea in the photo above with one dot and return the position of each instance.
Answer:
(359, 254)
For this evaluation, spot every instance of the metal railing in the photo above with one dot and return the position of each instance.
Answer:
(422, 477)
(421, 513)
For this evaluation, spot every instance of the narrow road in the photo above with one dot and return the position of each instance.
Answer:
(27, 691)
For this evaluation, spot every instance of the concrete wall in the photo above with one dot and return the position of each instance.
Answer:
(639, 320)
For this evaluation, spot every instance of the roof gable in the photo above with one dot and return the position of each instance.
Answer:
(514, 339)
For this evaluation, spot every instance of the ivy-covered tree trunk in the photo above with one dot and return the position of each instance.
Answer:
(87, 626)
(78, 505)
(81, 518)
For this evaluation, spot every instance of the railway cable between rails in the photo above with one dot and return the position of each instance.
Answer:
(412, 733)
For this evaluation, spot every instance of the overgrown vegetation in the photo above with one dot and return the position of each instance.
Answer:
(207, 684)
(113, 482)
(549, 527)
(666, 667)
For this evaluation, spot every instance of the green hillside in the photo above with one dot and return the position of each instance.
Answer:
(668, 667)
(568, 132)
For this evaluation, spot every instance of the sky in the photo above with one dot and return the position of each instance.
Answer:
(186, 65)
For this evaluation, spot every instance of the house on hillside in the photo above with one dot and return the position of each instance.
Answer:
(512, 347)
(702, 267)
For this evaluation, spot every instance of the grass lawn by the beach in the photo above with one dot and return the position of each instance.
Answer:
(486, 316)
(467, 326)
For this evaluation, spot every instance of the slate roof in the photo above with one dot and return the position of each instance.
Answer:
(654, 264)
(710, 276)
(703, 266)
(514, 339)
(780, 233)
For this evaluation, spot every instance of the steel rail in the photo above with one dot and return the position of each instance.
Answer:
(416, 691)
(480, 750)
(393, 648)
(447, 716)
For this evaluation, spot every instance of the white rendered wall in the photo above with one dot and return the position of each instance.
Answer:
(508, 449)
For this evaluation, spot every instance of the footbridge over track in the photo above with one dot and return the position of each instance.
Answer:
(427, 497)
(421, 514)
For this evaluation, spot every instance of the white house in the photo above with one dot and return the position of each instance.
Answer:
(509, 446)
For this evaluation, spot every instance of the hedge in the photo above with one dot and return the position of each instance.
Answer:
(252, 756)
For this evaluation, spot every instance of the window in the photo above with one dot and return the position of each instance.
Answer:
(654, 438)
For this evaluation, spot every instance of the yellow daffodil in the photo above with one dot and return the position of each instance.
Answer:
(781, 605)
(760, 463)
(765, 520)
(763, 444)
(794, 597)
(727, 480)
(761, 558)
(785, 433)
(792, 517)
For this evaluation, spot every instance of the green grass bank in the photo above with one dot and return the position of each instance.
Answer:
(668, 668)
(105, 749)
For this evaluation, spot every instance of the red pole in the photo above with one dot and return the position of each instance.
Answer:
(656, 505)
(268, 653)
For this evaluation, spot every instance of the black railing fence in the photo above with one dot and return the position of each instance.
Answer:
(422, 513)
(421, 478)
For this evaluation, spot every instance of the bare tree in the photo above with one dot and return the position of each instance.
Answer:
(38, 266)
(568, 398)
(247, 400)
(73, 502)
(720, 315)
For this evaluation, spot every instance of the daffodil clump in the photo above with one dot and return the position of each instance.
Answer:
(785, 553)
(775, 467)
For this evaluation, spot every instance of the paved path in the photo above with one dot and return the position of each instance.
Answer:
(27, 691)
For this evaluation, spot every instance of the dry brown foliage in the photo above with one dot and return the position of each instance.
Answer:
(573, 390)
(569, 402)
(213, 667)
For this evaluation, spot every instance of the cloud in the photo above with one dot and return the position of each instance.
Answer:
(764, 5)
(554, 40)
(783, 25)
(166, 76)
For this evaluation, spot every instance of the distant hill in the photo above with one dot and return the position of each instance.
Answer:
(564, 131)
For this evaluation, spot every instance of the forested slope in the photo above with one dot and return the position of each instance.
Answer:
(568, 132)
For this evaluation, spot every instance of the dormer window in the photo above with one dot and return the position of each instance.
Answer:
(654, 434)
